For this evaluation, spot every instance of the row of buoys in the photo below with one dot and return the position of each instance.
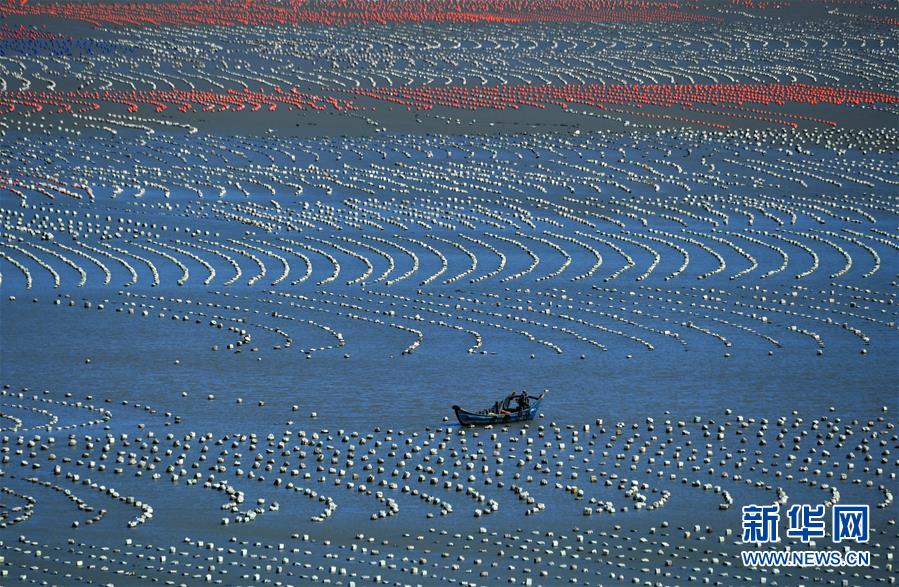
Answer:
(356, 177)
(646, 316)
(577, 56)
(762, 238)
(608, 469)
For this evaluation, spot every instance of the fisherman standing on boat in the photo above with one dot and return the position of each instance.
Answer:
(524, 401)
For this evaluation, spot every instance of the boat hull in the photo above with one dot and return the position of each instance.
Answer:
(467, 418)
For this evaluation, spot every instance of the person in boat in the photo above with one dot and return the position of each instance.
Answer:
(521, 400)
(524, 402)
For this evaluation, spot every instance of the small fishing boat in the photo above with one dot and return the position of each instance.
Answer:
(503, 411)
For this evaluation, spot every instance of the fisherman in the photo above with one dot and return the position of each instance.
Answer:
(524, 401)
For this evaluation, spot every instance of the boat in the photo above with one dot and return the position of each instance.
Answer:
(500, 412)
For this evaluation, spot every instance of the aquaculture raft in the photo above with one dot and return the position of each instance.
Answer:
(492, 415)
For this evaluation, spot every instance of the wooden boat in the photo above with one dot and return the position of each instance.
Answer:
(500, 412)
